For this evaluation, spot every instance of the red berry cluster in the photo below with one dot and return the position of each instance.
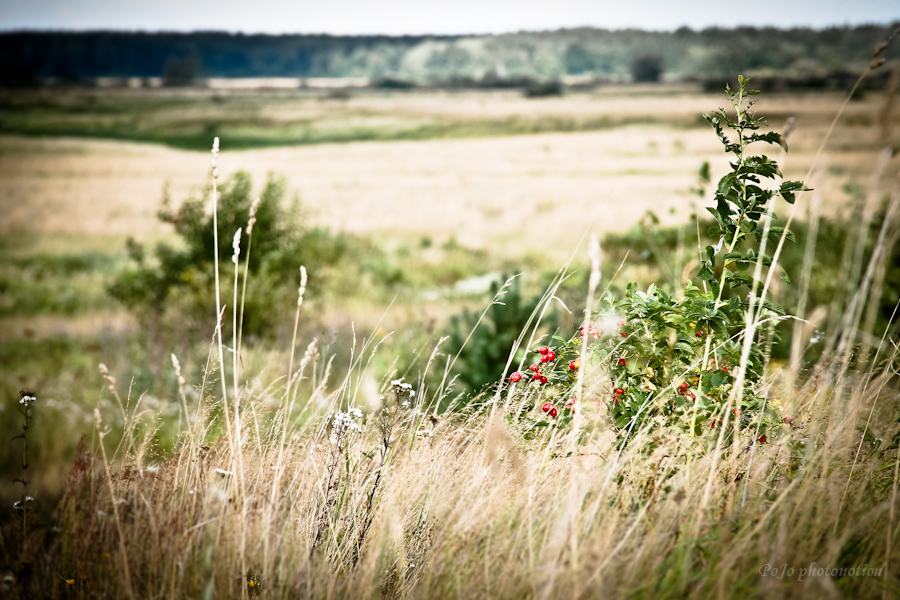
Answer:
(547, 357)
(550, 408)
(683, 391)
(589, 330)
(618, 392)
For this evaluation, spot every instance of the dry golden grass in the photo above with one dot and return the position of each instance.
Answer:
(498, 193)
(462, 506)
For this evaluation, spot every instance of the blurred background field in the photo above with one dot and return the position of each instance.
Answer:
(450, 189)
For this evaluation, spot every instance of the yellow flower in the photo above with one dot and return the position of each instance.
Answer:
(70, 582)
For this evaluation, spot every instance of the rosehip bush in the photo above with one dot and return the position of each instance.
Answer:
(673, 360)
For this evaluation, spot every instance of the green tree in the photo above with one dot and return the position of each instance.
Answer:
(647, 68)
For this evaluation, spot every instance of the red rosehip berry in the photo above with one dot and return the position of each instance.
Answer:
(763, 439)
(623, 334)
(574, 365)
(537, 376)
(543, 349)
(699, 333)
(622, 362)
(553, 412)
(737, 413)
(543, 380)
(545, 359)
(621, 324)
(788, 420)
(546, 406)
(515, 377)
(534, 368)
(693, 397)
(725, 369)
(550, 356)
(620, 391)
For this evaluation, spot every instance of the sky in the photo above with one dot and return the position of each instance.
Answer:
(398, 17)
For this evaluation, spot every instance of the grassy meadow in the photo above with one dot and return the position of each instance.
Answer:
(359, 445)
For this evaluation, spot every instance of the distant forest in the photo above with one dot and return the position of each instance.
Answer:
(620, 55)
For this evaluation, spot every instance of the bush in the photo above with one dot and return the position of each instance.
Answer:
(686, 362)
(646, 68)
(172, 289)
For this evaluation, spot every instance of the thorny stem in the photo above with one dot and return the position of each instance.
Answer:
(332, 468)
(387, 432)
(25, 410)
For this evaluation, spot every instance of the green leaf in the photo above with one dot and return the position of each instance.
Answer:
(726, 183)
(789, 189)
(771, 137)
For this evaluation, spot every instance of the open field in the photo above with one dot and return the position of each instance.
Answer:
(492, 191)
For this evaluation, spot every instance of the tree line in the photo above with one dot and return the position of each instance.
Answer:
(602, 54)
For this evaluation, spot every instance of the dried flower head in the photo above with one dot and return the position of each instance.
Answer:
(302, 287)
(236, 246)
(177, 366)
(215, 158)
(253, 208)
(26, 398)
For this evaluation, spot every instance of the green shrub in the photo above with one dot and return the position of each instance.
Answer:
(171, 290)
(683, 362)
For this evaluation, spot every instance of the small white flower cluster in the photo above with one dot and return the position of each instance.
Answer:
(27, 400)
(403, 389)
(20, 505)
(348, 420)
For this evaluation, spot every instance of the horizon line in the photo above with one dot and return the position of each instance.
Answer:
(19, 30)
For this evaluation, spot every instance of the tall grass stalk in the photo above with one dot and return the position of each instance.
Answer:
(219, 308)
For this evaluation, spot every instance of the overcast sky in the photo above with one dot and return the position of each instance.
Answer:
(443, 17)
